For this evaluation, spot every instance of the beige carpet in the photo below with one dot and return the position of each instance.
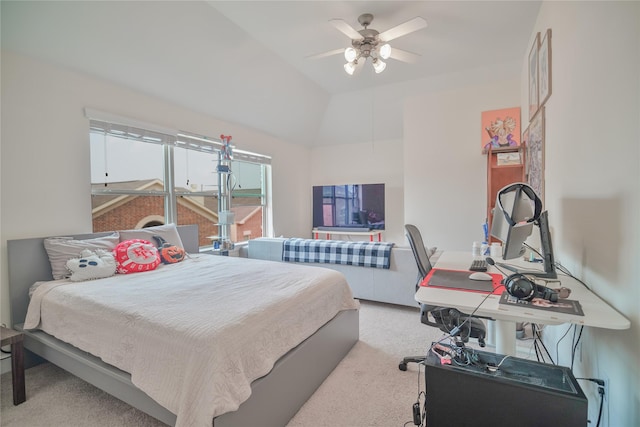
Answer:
(366, 389)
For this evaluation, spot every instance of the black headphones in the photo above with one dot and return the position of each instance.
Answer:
(523, 288)
(529, 192)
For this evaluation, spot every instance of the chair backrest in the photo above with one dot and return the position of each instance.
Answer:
(418, 249)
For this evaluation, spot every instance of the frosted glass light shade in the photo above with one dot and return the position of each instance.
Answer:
(385, 51)
(350, 67)
(350, 54)
(379, 66)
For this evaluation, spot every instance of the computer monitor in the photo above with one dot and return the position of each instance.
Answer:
(548, 259)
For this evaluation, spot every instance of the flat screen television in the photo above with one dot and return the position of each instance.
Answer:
(349, 207)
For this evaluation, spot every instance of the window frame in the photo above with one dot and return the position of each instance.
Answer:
(170, 139)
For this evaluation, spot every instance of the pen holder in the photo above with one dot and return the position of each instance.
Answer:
(484, 249)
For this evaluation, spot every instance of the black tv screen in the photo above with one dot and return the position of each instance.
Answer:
(349, 206)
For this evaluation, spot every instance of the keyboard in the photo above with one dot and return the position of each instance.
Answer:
(478, 265)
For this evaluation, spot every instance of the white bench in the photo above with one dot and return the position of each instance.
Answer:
(396, 285)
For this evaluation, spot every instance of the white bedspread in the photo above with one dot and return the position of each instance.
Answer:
(193, 335)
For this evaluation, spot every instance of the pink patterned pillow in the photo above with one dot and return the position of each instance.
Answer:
(136, 255)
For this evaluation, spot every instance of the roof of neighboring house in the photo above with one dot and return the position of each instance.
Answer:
(102, 203)
(101, 200)
(244, 213)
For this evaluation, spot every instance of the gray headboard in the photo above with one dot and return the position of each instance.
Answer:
(28, 263)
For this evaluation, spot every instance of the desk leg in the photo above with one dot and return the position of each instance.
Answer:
(490, 339)
(505, 337)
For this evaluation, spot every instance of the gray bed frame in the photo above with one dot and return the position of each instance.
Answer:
(275, 398)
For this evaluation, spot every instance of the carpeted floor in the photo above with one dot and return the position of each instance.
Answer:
(366, 389)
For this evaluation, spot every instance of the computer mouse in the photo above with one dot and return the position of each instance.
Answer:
(479, 275)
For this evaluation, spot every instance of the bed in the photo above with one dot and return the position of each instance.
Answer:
(276, 386)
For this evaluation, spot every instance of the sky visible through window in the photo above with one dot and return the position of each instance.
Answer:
(128, 160)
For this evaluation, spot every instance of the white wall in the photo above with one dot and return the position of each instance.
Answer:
(418, 180)
(444, 168)
(593, 183)
(45, 177)
(366, 163)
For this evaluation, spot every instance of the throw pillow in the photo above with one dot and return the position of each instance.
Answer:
(92, 265)
(169, 253)
(62, 249)
(169, 232)
(136, 255)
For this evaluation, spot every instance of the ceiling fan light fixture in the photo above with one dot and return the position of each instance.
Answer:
(370, 43)
(350, 67)
(350, 54)
(385, 51)
(379, 65)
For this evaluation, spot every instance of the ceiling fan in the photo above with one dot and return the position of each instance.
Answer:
(370, 43)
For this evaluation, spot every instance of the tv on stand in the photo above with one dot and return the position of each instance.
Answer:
(349, 207)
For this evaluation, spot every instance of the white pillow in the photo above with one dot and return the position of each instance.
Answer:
(168, 232)
(62, 249)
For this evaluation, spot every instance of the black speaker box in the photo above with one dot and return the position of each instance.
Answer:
(520, 393)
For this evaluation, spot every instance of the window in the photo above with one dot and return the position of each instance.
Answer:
(141, 178)
(340, 201)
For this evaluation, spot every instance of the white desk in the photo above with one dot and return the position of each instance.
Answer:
(597, 313)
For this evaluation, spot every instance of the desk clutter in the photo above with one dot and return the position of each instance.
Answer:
(460, 280)
(567, 306)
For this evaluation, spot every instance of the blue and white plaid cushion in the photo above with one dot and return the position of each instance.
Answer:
(364, 254)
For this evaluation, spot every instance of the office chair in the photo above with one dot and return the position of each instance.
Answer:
(444, 318)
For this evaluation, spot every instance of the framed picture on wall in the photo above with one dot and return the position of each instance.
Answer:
(544, 68)
(500, 129)
(533, 77)
(535, 154)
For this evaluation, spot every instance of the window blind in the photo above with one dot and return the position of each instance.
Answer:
(207, 144)
(131, 132)
(110, 124)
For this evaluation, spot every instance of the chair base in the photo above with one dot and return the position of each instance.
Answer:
(412, 359)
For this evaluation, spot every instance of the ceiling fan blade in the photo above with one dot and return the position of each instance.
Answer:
(404, 55)
(325, 54)
(346, 29)
(410, 26)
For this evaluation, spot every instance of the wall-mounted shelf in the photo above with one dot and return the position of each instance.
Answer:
(505, 165)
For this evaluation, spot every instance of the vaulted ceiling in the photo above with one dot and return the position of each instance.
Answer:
(246, 61)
